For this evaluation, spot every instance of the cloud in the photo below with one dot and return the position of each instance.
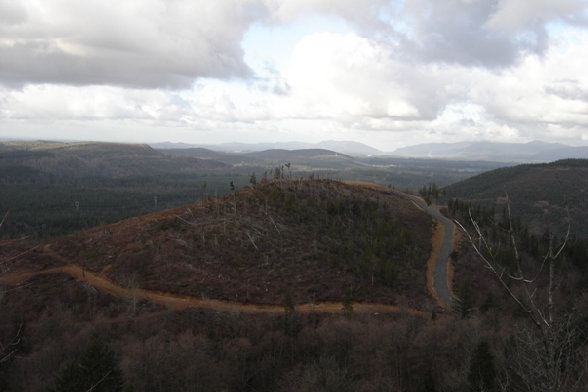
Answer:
(280, 11)
(348, 76)
(172, 43)
(147, 43)
(403, 70)
(547, 90)
(513, 15)
(12, 13)
(457, 31)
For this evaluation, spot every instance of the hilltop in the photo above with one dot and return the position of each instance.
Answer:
(313, 240)
(82, 159)
(539, 194)
(277, 286)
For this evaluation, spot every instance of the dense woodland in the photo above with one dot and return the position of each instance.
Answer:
(318, 240)
(55, 328)
(207, 351)
(45, 206)
(54, 188)
(542, 195)
(540, 280)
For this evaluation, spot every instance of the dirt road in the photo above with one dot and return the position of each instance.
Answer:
(440, 252)
(179, 302)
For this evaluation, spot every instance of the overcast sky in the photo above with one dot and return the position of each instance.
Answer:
(384, 73)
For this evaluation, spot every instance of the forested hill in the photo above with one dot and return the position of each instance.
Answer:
(539, 194)
(86, 159)
(54, 188)
(314, 239)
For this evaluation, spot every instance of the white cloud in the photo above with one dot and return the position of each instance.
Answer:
(541, 90)
(345, 75)
(414, 70)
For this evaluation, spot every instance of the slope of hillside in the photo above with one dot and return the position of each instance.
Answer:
(97, 159)
(315, 240)
(539, 194)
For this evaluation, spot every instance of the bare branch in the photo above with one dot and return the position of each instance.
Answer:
(23, 253)
(99, 381)
(6, 352)
(492, 266)
(4, 218)
(251, 239)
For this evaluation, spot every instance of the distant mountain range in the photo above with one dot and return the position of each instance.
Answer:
(342, 147)
(490, 151)
(533, 152)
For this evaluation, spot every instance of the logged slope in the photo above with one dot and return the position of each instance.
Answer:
(314, 240)
(538, 193)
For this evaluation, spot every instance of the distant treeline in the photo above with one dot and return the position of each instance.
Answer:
(42, 205)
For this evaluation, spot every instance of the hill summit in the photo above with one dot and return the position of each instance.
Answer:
(313, 240)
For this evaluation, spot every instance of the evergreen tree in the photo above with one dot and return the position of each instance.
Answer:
(482, 376)
(96, 370)
(464, 303)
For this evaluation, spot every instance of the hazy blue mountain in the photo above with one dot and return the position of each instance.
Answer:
(506, 152)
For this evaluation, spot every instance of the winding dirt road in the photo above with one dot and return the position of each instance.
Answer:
(179, 302)
(439, 286)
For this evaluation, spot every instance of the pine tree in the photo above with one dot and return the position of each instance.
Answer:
(482, 376)
(464, 303)
(96, 370)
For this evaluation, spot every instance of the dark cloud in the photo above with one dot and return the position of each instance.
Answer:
(43, 62)
(456, 31)
(147, 44)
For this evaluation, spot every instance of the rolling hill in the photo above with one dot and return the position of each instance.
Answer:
(539, 194)
(86, 159)
(305, 283)
(312, 239)
(54, 188)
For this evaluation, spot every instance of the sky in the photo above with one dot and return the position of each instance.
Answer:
(386, 73)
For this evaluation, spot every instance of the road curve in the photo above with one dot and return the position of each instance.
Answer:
(440, 273)
(179, 302)
(440, 283)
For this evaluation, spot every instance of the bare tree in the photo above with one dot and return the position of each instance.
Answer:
(4, 218)
(545, 357)
(7, 350)
(527, 300)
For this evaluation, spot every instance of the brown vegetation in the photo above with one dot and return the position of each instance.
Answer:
(314, 239)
